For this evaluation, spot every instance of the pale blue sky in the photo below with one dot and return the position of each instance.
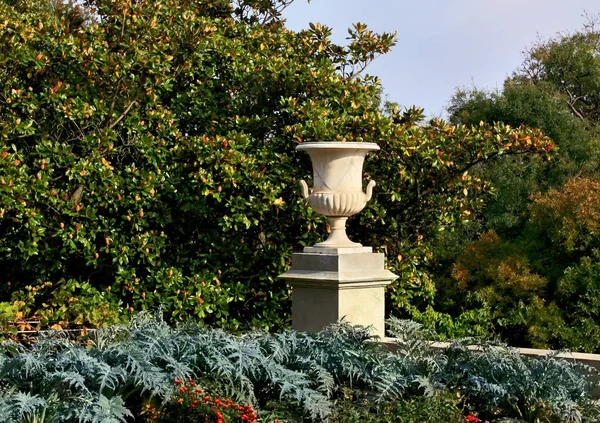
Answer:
(444, 44)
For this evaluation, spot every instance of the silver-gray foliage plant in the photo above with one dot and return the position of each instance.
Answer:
(56, 379)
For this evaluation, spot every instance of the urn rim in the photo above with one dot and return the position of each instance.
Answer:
(352, 145)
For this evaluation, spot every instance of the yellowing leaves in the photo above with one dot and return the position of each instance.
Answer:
(107, 164)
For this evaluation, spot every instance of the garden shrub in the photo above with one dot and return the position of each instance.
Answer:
(498, 379)
(147, 157)
(339, 374)
(439, 408)
(539, 289)
(495, 276)
(578, 296)
(190, 404)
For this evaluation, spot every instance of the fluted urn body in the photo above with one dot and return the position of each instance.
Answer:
(337, 185)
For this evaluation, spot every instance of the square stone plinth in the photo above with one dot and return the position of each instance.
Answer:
(328, 286)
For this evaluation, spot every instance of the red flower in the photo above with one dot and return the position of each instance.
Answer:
(471, 418)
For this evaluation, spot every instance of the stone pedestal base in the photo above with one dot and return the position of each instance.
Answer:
(330, 284)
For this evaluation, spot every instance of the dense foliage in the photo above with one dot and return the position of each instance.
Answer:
(337, 375)
(526, 268)
(147, 157)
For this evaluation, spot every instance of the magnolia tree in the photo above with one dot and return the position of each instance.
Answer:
(147, 158)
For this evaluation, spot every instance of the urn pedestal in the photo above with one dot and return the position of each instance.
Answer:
(338, 279)
(330, 286)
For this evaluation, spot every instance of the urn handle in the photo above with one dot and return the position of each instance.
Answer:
(370, 187)
(305, 193)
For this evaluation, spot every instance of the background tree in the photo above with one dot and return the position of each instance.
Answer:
(568, 68)
(542, 210)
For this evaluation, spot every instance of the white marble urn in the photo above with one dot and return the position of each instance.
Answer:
(337, 185)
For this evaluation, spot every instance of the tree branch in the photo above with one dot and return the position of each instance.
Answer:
(112, 125)
(574, 110)
(471, 165)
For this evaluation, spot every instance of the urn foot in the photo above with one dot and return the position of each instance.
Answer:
(338, 237)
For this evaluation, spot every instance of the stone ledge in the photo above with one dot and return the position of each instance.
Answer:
(337, 280)
(353, 265)
(337, 251)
